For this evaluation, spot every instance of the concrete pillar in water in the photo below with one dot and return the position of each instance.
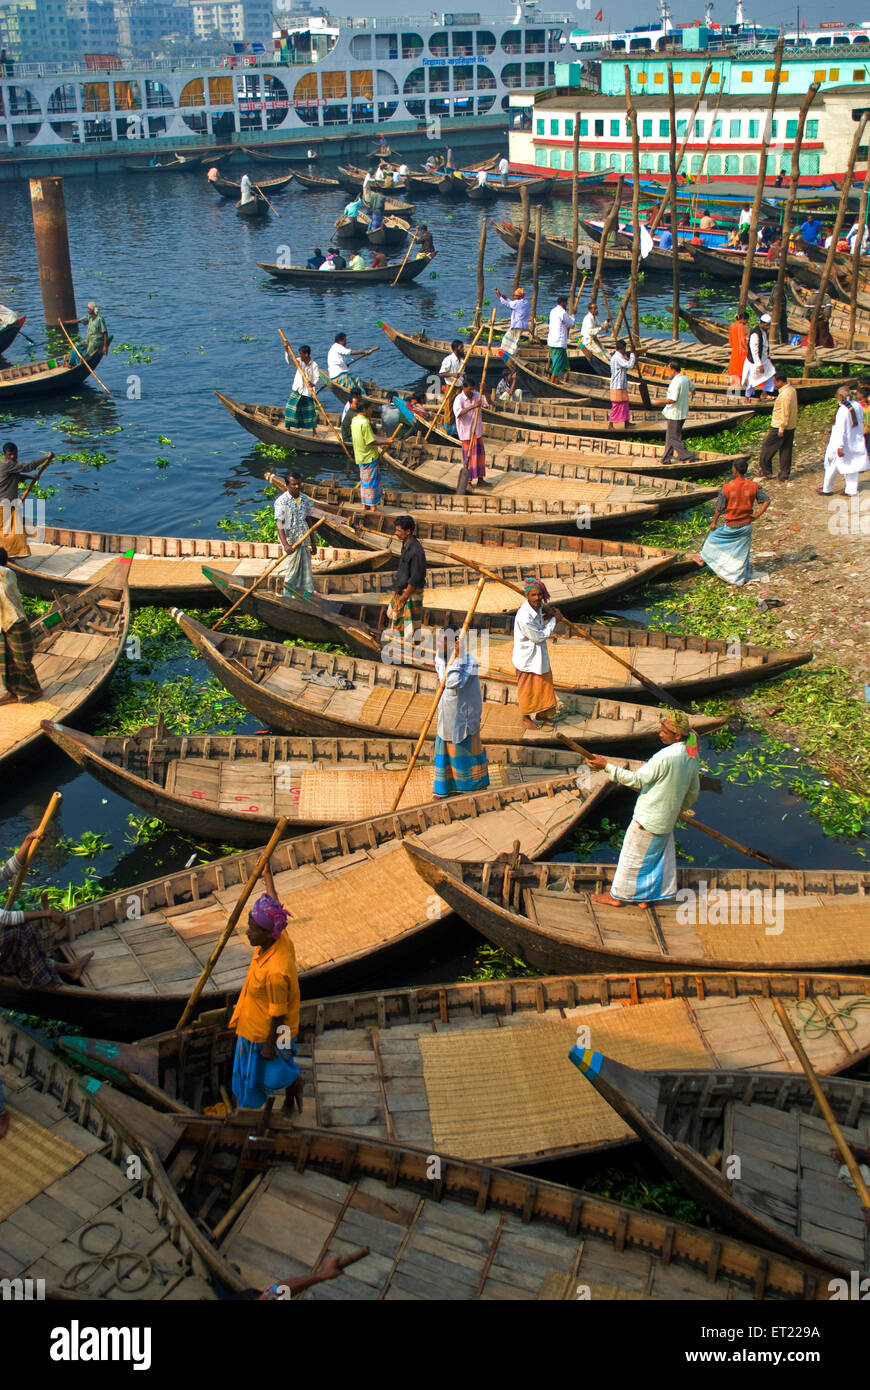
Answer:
(52, 251)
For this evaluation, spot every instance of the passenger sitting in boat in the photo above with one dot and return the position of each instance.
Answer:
(338, 261)
(666, 240)
(695, 239)
(16, 642)
(403, 171)
(706, 224)
(266, 1016)
(356, 262)
(316, 261)
(424, 241)
(733, 239)
(300, 411)
(293, 516)
(482, 177)
(460, 758)
(26, 947)
(338, 360)
(533, 624)
(354, 207)
(378, 259)
(684, 224)
(507, 388)
(329, 260)
(380, 172)
(668, 784)
(213, 175)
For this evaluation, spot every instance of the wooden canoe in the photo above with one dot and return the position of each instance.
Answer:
(357, 228)
(788, 1195)
(706, 330)
(511, 1035)
(352, 609)
(818, 920)
(28, 379)
(228, 188)
(477, 1234)
(347, 928)
(715, 358)
(728, 265)
(537, 189)
(438, 466)
(233, 788)
(557, 250)
(353, 178)
(387, 700)
(348, 279)
(572, 416)
(77, 645)
(254, 207)
(9, 331)
(179, 164)
(422, 185)
(264, 157)
(66, 1172)
(166, 569)
(315, 183)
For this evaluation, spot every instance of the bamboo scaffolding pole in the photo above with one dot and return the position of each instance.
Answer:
(405, 261)
(675, 239)
(631, 118)
(481, 584)
(856, 254)
(232, 920)
(524, 237)
(828, 268)
(535, 260)
(749, 260)
(449, 393)
(778, 301)
(47, 817)
(606, 229)
(575, 212)
(481, 253)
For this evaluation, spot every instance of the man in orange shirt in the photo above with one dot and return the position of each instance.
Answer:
(726, 549)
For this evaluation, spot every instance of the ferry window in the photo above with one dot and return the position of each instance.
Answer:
(554, 127)
(599, 159)
(682, 127)
(819, 75)
(584, 127)
(658, 77)
(662, 164)
(858, 75)
(569, 125)
(834, 75)
(746, 77)
(750, 164)
(841, 38)
(811, 130)
(698, 131)
(664, 130)
(717, 130)
(791, 130)
(696, 77)
(773, 126)
(568, 161)
(555, 159)
(753, 130)
(714, 164)
(732, 164)
(599, 127)
(646, 128)
(539, 126)
(697, 161)
(714, 77)
(809, 163)
(616, 161)
(678, 77)
(734, 130)
(823, 42)
(769, 74)
(585, 162)
(540, 156)
(641, 77)
(615, 128)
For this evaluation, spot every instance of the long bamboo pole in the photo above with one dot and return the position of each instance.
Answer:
(317, 400)
(856, 254)
(481, 254)
(405, 261)
(779, 291)
(607, 228)
(827, 1113)
(746, 278)
(675, 239)
(233, 918)
(448, 394)
(483, 374)
(524, 237)
(266, 572)
(81, 354)
(827, 269)
(631, 117)
(575, 212)
(481, 584)
(706, 149)
(47, 817)
(535, 261)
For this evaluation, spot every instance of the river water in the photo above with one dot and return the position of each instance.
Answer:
(174, 271)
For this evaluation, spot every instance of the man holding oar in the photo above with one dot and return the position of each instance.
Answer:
(366, 456)
(293, 518)
(301, 411)
(97, 337)
(460, 758)
(668, 784)
(11, 471)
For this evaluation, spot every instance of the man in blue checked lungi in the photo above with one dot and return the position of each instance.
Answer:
(668, 784)
(460, 758)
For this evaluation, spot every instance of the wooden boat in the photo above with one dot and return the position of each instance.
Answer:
(351, 609)
(347, 929)
(262, 156)
(387, 700)
(422, 185)
(315, 183)
(556, 250)
(233, 788)
(77, 645)
(393, 231)
(9, 331)
(508, 1037)
(348, 279)
(67, 1173)
(706, 330)
(572, 417)
(430, 352)
(808, 273)
(591, 389)
(788, 1195)
(451, 184)
(52, 376)
(167, 569)
(716, 357)
(544, 916)
(357, 228)
(476, 1234)
(228, 188)
(438, 466)
(537, 189)
(728, 265)
(353, 179)
(179, 164)
(254, 207)
(716, 383)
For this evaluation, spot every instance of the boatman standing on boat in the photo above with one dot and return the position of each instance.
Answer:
(407, 601)
(468, 413)
(460, 758)
(521, 313)
(504, 168)
(621, 364)
(97, 336)
(675, 409)
(245, 189)
(668, 784)
(533, 624)
(365, 453)
(338, 361)
(300, 411)
(293, 517)
(16, 642)
(557, 336)
(11, 472)
(450, 370)
(589, 330)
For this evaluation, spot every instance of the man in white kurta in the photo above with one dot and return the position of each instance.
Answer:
(668, 784)
(847, 451)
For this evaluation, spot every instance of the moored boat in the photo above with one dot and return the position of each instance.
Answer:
(228, 188)
(49, 377)
(10, 329)
(398, 273)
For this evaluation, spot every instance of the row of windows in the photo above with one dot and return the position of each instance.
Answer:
(820, 75)
(659, 163)
(619, 128)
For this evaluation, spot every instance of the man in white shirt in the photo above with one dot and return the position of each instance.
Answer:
(404, 171)
(300, 411)
(745, 217)
(450, 370)
(852, 237)
(379, 173)
(557, 336)
(504, 168)
(338, 360)
(589, 330)
(675, 408)
(246, 195)
(482, 177)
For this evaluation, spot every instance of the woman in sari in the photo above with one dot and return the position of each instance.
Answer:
(460, 758)
(266, 1016)
(726, 549)
(739, 348)
(535, 691)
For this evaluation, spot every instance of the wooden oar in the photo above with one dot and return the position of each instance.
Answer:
(827, 1113)
(657, 690)
(317, 400)
(19, 878)
(234, 916)
(35, 479)
(266, 572)
(82, 357)
(481, 584)
(572, 308)
(688, 818)
(448, 394)
(482, 382)
(405, 261)
(266, 200)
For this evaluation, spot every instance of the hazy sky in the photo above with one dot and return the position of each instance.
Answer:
(619, 14)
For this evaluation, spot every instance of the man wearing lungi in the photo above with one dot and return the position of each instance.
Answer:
(668, 784)
(533, 624)
(468, 412)
(365, 454)
(300, 411)
(621, 364)
(726, 549)
(407, 601)
(293, 518)
(16, 642)
(460, 758)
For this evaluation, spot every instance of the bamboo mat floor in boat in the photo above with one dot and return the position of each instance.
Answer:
(512, 1091)
(32, 1159)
